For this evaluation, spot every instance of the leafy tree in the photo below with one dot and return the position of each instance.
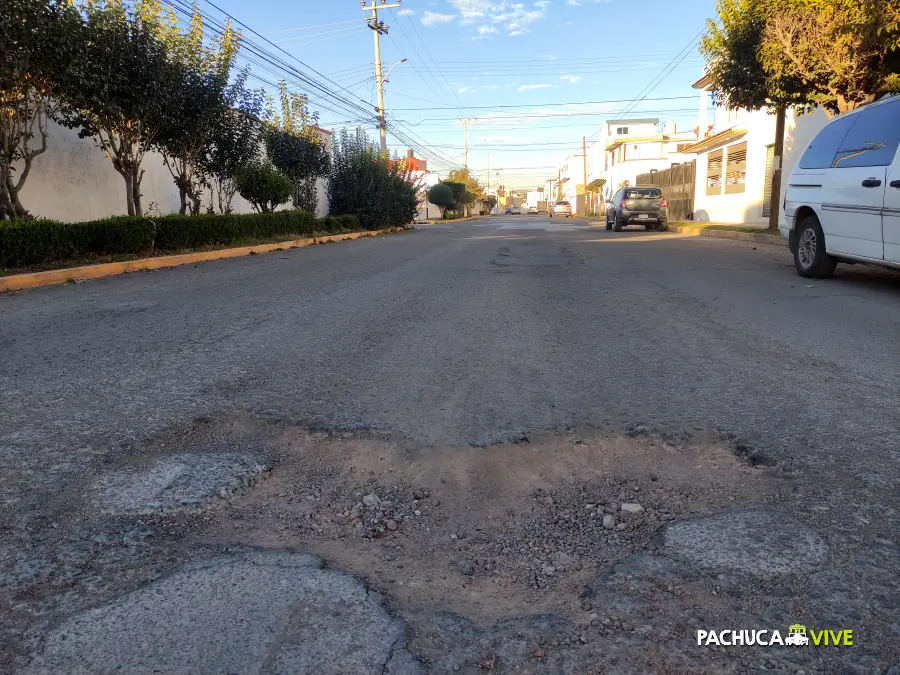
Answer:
(38, 41)
(294, 145)
(365, 184)
(472, 185)
(121, 90)
(837, 54)
(596, 185)
(845, 53)
(236, 142)
(441, 196)
(490, 201)
(198, 98)
(264, 186)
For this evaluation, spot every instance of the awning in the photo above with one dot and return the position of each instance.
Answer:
(714, 141)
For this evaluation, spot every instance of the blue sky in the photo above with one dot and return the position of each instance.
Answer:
(471, 56)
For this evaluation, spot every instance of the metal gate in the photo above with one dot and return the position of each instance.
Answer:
(677, 184)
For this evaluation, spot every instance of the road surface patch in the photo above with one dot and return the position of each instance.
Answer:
(177, 483)
(755, 542)
(274, 612)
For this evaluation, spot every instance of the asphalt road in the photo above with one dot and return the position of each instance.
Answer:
(475, 334)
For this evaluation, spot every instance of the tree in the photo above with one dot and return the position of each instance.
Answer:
(264, 186)
(364, 183)
(441, 196)
(235, 144)
(295, 147)
(472, 185)
(121, 90)
(844, 53)
(837, 54)
(38, 41)
(490, 201)
(198, 99)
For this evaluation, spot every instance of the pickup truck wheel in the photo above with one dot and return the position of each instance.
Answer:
(810, 258)
(663, 227)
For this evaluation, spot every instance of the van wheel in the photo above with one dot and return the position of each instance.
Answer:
(810, 258)
(617, 225)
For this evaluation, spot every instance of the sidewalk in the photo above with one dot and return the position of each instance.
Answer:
(744, 232)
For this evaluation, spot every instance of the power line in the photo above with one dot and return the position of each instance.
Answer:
(546, 105)
(318, 25)
(346, 30)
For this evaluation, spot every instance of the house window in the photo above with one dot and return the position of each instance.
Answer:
(621, 131)
(714, 173)
(736, 168)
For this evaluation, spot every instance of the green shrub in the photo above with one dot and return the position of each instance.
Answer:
(264, 186)
(36, 242)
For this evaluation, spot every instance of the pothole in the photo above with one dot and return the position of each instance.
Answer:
(756, 542)
(177, 483)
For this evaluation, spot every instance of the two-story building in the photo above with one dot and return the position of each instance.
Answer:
(630, 147)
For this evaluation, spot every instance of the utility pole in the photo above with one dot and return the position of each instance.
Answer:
(466, 143)
(584, 197)
(378, 27)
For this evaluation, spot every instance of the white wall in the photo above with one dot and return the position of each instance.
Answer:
(747, 206)
(75, 181)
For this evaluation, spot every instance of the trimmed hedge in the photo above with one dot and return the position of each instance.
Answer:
(35, 242)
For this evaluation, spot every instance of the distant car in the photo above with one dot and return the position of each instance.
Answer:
(516, 211)
(562, 208)
(508, 212)
(642, 204)
(532, 209)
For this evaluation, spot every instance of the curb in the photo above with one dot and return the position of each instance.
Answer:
(775, 239)
(18, 282)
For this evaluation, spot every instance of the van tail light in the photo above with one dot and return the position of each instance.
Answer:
(664, 204)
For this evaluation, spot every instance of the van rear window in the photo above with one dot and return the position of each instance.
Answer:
(643, 193)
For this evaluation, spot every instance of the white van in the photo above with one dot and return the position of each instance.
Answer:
(842, 202)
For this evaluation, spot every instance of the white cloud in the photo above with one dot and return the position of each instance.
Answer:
(529, 87)
(406, 12)
(513, 18)
(573, 3)
(466, 90)
(571, 78)
(432, 18)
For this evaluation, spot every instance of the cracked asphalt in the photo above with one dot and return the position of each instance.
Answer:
(469, 335)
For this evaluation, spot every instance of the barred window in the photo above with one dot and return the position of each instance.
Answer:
(714, 173)
(736, 168)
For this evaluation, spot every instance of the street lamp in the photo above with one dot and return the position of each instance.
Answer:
(392, 68)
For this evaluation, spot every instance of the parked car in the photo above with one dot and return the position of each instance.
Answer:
(642, 204)
(532, 210)
(562, 208)
(516, 211)
(842, 201)
(507, 212)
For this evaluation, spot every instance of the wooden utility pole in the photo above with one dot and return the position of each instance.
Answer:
(379, 27)
(775, 198)
(466, 143)
(584, 198)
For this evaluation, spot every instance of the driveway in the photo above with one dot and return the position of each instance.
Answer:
(516, 443)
